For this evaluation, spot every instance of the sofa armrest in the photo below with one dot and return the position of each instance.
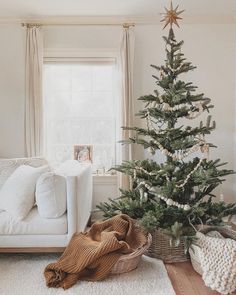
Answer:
(79, 197)
(71, 204)
(84, 197)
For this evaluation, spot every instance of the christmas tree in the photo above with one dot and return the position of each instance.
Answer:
(176, 192)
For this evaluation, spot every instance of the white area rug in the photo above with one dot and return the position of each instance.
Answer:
(22, 274)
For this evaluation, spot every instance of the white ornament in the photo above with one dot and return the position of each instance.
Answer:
(166, 107)
(145, 197)
(186, 207)
(169, 202)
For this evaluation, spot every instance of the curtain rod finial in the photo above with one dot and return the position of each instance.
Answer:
(127, 25)
(30, 25)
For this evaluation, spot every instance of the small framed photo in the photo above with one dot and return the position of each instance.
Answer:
(83, 153)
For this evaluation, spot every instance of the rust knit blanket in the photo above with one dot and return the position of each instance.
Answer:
(91, 255)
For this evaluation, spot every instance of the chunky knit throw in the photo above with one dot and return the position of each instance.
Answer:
(91, 255)
(218, 262)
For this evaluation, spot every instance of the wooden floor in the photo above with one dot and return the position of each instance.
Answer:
(186, 281)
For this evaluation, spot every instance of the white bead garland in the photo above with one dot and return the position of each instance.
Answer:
(204, 148)
(167, 178)
(190, 173)
(143, 170)
(191, 114)
(168, 201)
(179, 157)
(167, 108)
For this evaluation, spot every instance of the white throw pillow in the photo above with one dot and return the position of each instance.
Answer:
(8, 166)
(51, 195)
(17, 195)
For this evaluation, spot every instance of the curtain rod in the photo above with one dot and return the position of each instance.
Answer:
(125, 25)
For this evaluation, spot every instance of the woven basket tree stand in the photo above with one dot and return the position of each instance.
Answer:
(161, 248)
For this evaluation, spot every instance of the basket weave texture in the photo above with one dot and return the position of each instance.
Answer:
(161, 248)
(195, 260)
(129, 262)
(194, 251)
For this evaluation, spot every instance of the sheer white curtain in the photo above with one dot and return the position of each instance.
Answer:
(126, 72)
(33, 103)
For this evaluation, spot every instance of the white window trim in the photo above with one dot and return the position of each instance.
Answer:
(51, 55)
(70, 53)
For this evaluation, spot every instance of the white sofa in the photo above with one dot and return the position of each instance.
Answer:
(37, 234)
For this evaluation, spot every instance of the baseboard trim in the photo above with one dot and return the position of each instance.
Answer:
(33, 250)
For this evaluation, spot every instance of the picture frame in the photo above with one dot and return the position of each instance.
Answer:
(83, 153)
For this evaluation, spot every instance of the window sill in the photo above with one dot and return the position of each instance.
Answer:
(104, 179)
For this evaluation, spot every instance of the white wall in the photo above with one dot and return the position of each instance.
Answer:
(12, 94)
(211, 47)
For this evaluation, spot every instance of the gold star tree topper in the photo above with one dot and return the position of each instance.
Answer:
(172, 16)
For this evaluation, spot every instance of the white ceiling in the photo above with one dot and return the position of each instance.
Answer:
(41, 8)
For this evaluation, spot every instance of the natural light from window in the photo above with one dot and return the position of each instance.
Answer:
(79, 109)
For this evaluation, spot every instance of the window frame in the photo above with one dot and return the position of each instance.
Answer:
(85, 56)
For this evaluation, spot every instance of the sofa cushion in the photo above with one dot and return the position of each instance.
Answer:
(17, 193)
(8, 166)
(51, 195)
(33, 224)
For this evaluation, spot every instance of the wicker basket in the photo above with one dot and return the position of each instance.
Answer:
(194, 256)
(129, 262)
(161, 248)
(194, 251)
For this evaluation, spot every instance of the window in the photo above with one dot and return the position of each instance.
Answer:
(80, 109)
